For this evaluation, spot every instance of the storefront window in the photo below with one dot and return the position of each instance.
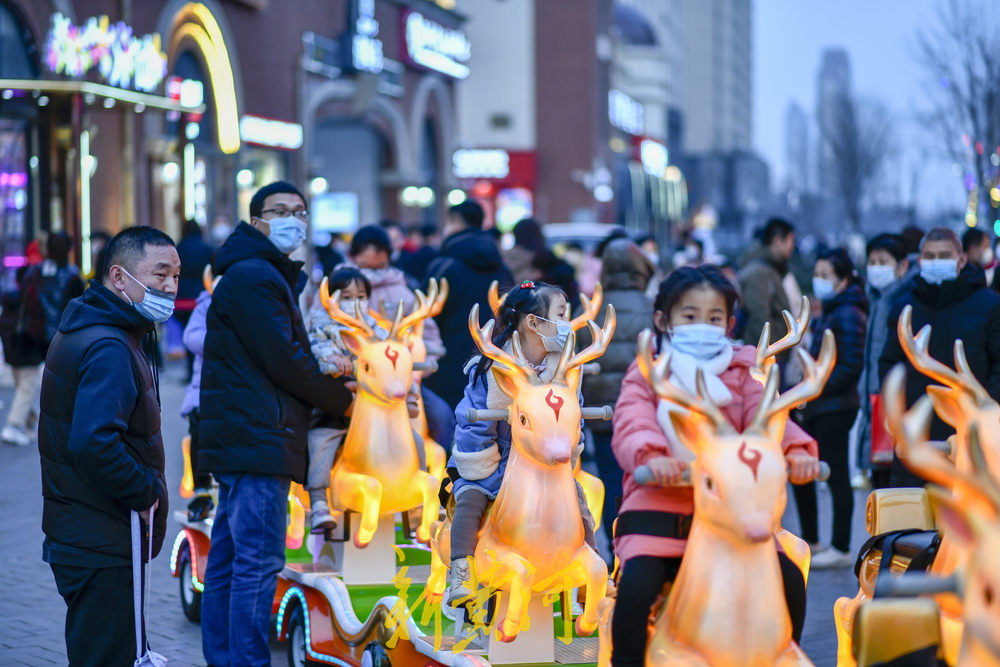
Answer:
(13, 195)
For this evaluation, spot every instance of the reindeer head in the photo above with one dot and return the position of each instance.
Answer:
(768, 351)
(384, 368)
(544, 417)
(739, 479)
(962, 401)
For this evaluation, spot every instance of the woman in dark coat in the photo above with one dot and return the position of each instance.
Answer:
(829, 418)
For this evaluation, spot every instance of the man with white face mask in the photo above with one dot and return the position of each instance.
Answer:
(951, 295)
(100, 445)
(258, 387)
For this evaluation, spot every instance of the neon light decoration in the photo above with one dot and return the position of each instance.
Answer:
(121, 58)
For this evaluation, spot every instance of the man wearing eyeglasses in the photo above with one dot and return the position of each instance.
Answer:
(259, 384)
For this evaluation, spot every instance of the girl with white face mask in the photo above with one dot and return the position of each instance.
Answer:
(694, 312)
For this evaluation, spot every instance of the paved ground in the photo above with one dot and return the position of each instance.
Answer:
(33, 613)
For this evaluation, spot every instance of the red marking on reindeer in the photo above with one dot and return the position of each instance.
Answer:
(392, 355)
(751, 458)
(554, 402)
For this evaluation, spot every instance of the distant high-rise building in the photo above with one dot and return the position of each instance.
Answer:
(717, 75)
(833, 85)
(796, 148)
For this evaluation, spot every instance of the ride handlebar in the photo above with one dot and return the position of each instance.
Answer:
(913, 584)
(644, 476)
(603, 413)
(429, 366)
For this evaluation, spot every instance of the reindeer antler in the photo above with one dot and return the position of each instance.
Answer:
(494, 298)
(591, 308)
(910, 429)
(515, 363)
(426, 303)
(767, 351)
(332, 305)
(916, 349)
(657, 374)
(601, 337)
(206, 279)
(815, 374)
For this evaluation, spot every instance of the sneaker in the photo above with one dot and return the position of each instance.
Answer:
(15, 435)
(816, 547)
(459, 582)
(201, 506)
(830, 559)
(320, 519)
(859, 481)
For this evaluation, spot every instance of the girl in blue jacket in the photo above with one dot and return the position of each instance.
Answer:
(539, 314)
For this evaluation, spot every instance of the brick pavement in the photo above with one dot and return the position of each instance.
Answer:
(33, 614)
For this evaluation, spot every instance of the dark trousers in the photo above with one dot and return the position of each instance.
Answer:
(831, 431)
(611, 475)
(202, 480)
(440, 418)
(100, 622)
(641, 581)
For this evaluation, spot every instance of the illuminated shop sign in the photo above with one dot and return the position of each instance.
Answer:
(625, 113)
(366, 47)
(186, 92)
(481, 163)
(436, 47)
(270, 132)
(654, 157)
(121, 58)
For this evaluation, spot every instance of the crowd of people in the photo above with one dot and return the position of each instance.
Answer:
(272, 385)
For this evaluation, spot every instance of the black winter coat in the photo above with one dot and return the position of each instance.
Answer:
(470, 261)
(99, 434)
(963, 308)
(845, 314)
(259, 381)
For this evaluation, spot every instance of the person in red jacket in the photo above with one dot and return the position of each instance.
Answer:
(693, 314)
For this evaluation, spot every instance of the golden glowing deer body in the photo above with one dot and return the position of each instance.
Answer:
(964, 404)
(377, 470)
(727, 606)
(532, 539)
(967, 502)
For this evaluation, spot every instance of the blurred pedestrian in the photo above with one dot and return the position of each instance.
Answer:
(258, 387)
(195, 254)
(420, 250)
(953, 298)
(470, 261)
(100, 444)
(529, 242)
(829, 417)
(887, 267)
(976, 246)
(625, 275)
(397, 238)
(764, 295)
(201, 504)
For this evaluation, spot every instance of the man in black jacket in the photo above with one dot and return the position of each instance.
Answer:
(951, 295)
(259, 384)
(100, 445)
(470, 261)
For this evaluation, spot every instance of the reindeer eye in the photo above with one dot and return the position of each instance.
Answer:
(368, 368)
(524, 421)
(709, 484)
(988, 594)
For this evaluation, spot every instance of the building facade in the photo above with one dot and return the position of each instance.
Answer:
(833, 84)
(153, 112)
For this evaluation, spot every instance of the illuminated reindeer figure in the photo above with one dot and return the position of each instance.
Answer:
(593, 487)
(964, 404)
(967, 503)
(727, 605)
(377, 470)
(434, 302)
(534, 529)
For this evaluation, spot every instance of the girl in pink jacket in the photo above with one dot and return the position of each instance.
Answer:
(694, 312)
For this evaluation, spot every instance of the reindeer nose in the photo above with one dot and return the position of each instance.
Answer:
(758, 527)
(563, 458)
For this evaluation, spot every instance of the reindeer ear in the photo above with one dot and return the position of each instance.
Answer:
(353, 341)
(692, 429)
(506, 382)
(960, 523)
(947, 403)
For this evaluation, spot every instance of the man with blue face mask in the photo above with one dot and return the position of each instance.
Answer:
(950, 294)
(259, 384)
(100, 445)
